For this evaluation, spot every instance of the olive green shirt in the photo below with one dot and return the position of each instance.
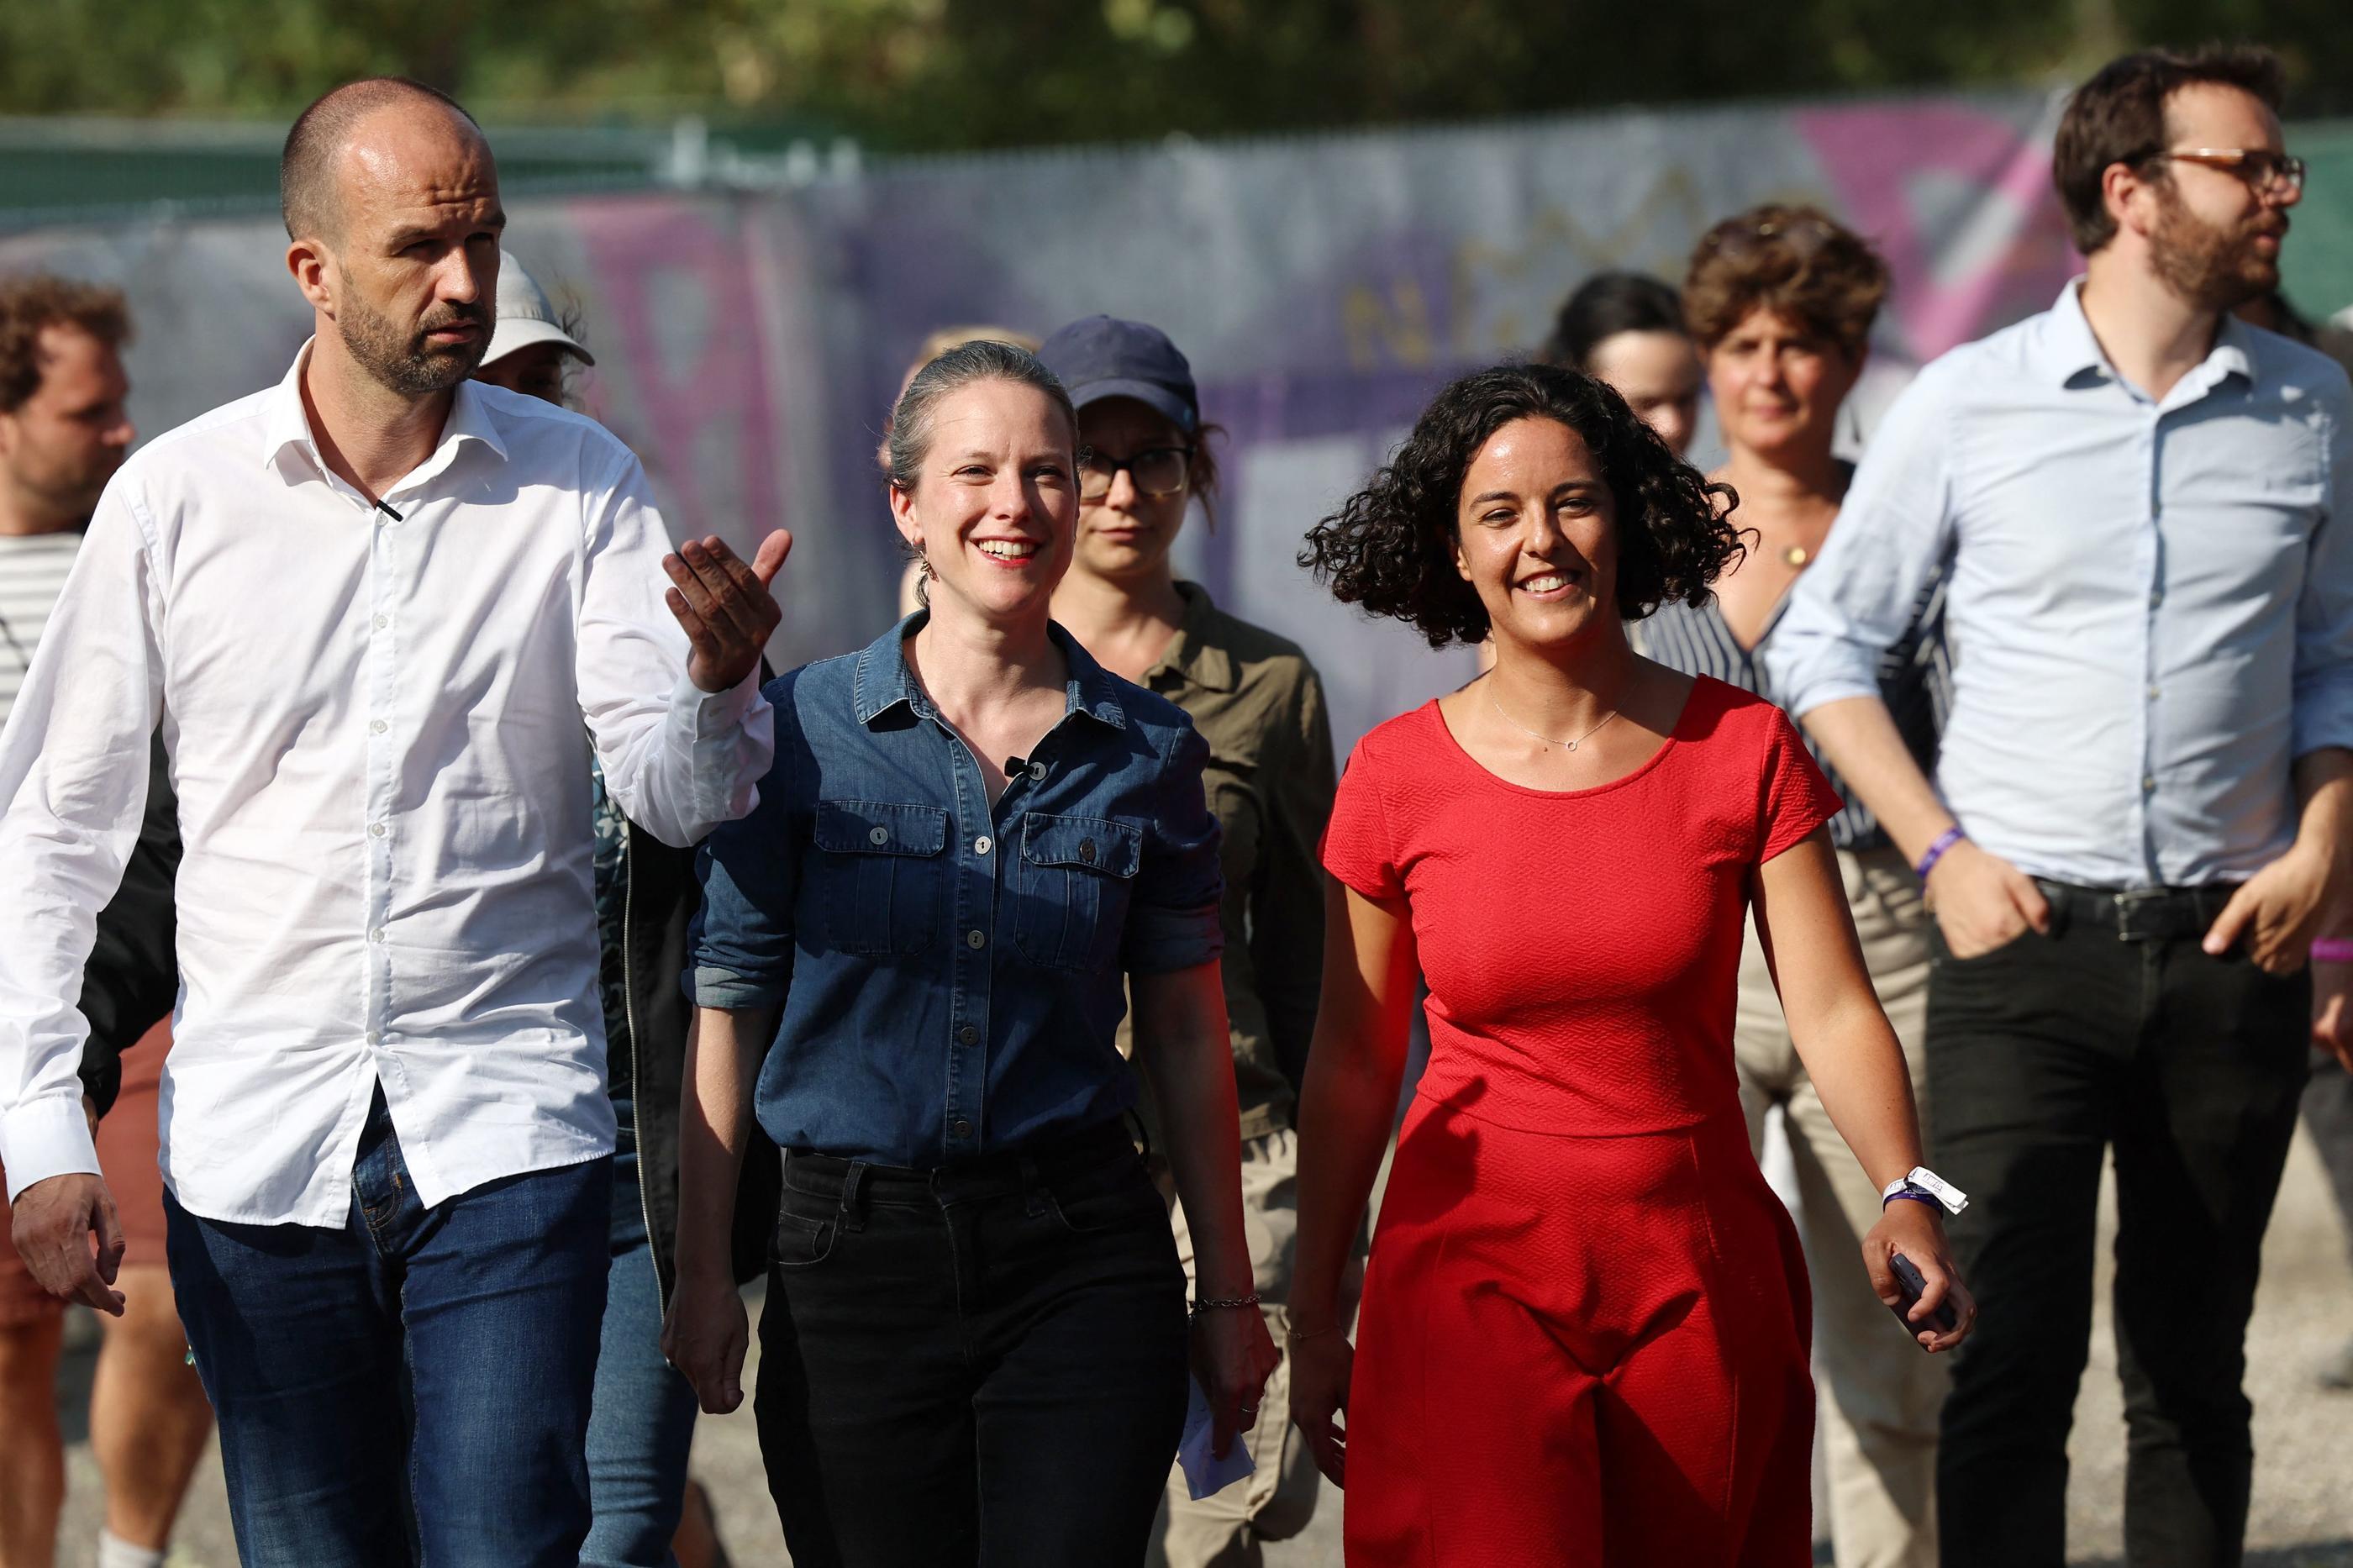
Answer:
(1258, 703)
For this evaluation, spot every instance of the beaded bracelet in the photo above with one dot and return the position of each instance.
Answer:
(1207, 1302)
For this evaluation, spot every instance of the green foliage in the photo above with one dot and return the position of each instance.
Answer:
(920, 74)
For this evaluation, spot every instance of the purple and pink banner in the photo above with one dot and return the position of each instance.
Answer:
(748, 343)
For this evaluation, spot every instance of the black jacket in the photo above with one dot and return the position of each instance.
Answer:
(133, 974)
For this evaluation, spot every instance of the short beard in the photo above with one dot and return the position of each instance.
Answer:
(410, 364)
(2210, 267)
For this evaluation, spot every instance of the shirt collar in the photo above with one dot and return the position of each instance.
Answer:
(882, 682)
(2074, 348)
(1194, 654)
(286, 428)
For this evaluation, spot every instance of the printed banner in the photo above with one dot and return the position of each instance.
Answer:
(748, 344)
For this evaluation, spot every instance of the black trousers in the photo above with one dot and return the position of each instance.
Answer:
(984, 1364)
(2042, 1056)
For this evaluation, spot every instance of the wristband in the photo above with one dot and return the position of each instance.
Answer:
(2332, 950)
(1945, 840)
(1929, 1187)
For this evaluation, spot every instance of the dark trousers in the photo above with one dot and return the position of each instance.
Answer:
(309, 1342)
(984, 1364)
(2042, 1056)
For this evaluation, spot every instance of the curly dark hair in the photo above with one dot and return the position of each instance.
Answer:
(1390, 547)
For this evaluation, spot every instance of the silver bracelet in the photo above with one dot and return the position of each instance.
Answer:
(1204, 1303)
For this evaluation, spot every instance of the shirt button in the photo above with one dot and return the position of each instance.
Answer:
(375, 830)
(377, 726)
(983, 845)
(1087, 850)
(2152, 691)
(1037, 770)
(382, 622)
(375, 934)
(877, 836)
(975, 940)
(2156, 598)
(374, 1039)
(967, 1035)
(2149, 786)
(960, 1128)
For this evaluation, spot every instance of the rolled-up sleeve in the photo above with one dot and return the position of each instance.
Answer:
(73, 790)
(2323, 714)
(678, 760)
(1172, 917)
(1893, 531)
(741, 952)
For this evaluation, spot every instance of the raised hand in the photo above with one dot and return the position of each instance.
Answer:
(725, 605)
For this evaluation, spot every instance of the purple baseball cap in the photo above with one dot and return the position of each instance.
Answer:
(1097, 357)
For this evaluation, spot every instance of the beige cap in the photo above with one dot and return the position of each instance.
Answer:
(525, 316)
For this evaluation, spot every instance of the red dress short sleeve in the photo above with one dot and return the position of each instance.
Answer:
(1798, 797)
(1356, 845)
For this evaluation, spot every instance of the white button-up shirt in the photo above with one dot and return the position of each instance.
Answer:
(2150, 607)
(379, 729)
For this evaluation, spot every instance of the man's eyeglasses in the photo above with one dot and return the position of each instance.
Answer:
(1157, 471)
(2261, 167)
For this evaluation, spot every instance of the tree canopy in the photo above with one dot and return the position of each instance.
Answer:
(915, 74)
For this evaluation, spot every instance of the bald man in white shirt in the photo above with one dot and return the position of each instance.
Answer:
(371, 608)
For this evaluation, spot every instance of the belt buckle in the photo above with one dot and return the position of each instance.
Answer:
(2133, 902)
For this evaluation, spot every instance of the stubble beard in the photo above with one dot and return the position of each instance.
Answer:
(408, 363)
(2214, 268)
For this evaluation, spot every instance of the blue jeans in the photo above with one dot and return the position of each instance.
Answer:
(490, 1301)
(644, 1420)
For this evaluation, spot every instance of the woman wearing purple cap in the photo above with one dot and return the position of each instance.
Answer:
(1259, 704)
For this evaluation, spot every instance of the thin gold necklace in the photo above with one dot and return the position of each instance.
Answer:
(1547, 740)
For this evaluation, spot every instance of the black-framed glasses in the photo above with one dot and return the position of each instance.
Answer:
(2260, 167)
(1157, 471)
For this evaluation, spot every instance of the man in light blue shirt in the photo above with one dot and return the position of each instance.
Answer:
(2141, 799)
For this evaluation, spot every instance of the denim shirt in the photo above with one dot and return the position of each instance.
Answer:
(950, 973)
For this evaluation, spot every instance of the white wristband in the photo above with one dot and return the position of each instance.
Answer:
(1948, 1196)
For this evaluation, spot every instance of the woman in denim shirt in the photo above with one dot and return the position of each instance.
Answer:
(973, 841)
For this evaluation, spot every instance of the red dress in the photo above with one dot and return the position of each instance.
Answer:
(1586, 1321)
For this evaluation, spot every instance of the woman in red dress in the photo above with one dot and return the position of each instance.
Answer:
(1584, 1333)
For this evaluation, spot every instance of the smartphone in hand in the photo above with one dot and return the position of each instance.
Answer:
(1913, 1286)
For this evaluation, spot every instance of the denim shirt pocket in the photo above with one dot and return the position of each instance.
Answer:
(879, 874)
(1070, 890)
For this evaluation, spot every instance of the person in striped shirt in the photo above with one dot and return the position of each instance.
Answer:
(1781, 302)
(63, 432)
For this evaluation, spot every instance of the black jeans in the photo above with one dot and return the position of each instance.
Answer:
(2041, 1055)
(984, 1364)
